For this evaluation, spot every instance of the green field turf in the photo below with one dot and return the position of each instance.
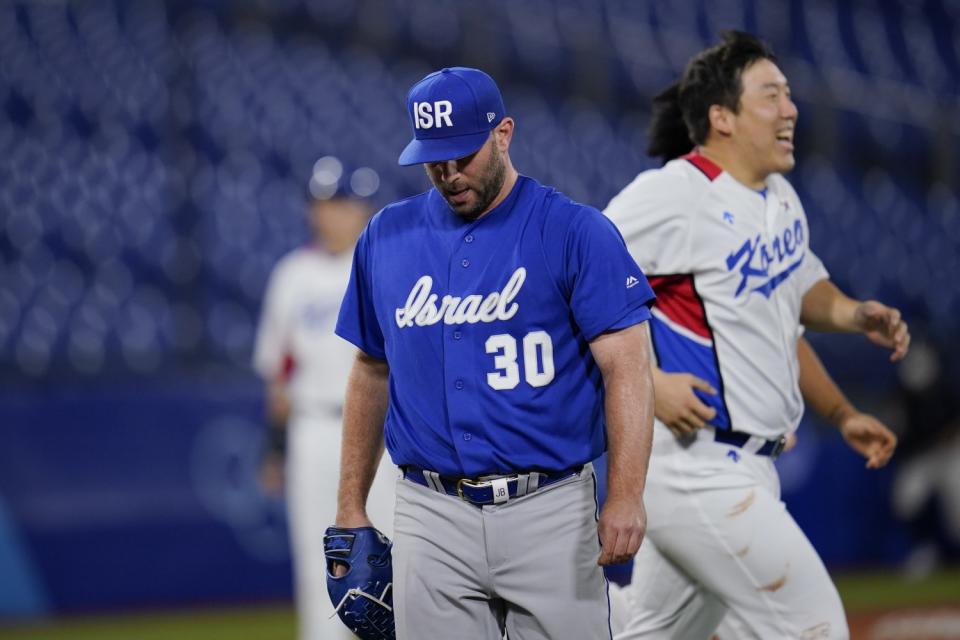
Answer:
(872, 591)
(254, 623)
(860, 592)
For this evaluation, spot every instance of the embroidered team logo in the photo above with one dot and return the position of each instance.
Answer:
(422, 309)
(632, 282)
(758, 260)
(432, 115)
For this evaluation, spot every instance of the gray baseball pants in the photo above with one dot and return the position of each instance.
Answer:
(527, 567)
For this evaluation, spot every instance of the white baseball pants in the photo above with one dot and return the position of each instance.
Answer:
(313, 473)
(720, 542)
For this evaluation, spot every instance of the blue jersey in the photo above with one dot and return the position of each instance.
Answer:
(485, 326)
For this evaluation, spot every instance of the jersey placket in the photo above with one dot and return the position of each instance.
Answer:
(773, 222)
(461, 342)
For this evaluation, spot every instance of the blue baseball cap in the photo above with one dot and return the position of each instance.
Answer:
(452, 112)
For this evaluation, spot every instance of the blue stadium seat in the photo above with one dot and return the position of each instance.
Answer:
(156, 155)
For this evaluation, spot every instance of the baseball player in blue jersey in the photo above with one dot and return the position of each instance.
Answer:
(503, 346)
(724, 239)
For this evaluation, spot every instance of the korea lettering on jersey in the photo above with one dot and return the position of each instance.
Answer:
(729, 266)
(486, 326)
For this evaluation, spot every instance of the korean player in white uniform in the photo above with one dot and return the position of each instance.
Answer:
(724, 241)
(305, 366)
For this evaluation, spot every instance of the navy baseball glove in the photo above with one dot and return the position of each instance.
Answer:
(363, 596)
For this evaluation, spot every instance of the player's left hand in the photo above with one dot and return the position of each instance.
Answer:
(883, 326)
(870, 438)
(622, 526)
(791, 442)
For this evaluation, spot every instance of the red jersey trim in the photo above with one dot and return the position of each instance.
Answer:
(678, 300)
(707, 167)
(287, 367)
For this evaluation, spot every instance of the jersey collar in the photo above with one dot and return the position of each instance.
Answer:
(446, 219)
(706, 166)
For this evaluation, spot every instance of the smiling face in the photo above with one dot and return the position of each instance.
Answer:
(475, 184)
(762, 130)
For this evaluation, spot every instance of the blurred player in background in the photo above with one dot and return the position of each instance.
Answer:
(305, 367)
(724, 241)
(926, 490)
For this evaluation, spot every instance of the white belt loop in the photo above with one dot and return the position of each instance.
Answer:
(534, 481)
(522, 481)
(753, 444)
(433, 480)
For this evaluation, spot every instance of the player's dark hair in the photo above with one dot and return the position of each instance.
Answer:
(681, 112)
(668, 135)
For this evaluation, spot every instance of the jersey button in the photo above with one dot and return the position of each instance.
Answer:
(467, 436)
(458, 384)
(457, 335)
(468, 238)
(464, 263)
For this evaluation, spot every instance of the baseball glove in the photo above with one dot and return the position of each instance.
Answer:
(363, 596)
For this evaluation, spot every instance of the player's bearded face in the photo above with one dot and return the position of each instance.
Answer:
(765, 124)
(470, 184)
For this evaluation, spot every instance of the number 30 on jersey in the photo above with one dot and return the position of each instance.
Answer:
(537, 360)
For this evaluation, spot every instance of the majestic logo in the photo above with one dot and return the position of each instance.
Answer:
(728, 217)
(756, 259)
(632, 282)
(428, 115)
(422, 310)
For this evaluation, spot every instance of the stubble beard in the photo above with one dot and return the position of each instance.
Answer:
(490, 184)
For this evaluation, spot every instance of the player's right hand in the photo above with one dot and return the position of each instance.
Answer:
(676, 404)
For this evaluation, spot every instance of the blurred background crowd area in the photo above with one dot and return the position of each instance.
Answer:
(154, 164)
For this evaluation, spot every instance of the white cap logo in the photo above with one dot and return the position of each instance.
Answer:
(429, 115)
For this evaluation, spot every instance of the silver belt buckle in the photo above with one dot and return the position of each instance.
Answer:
(482, 484)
